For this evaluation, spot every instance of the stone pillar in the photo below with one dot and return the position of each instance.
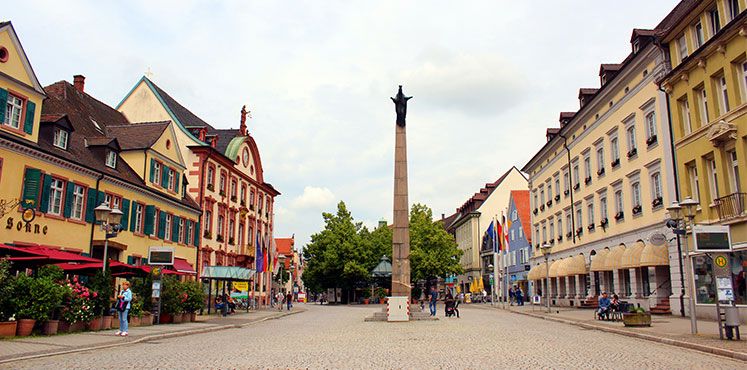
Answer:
(593, 281)
(579, 286)
(401, 233)
(568, 292)
(654, 282)
(619, 283)
(635, 283)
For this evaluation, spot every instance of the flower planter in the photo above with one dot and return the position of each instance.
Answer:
(8, 328)
(166, 318)
(50, 327)
(637, 319)
(366, 301)
(94, 324)
(146, 320)
(192, 316)
(134, 321)
(186, 317)
(106, 322)
(176, 318)
(25, 327)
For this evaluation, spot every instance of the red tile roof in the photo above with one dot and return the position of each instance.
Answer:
(285, 247)
(521, 201)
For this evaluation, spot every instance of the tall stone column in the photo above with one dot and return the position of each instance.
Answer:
(401, 234)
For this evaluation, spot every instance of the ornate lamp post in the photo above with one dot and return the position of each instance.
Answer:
(683, 214)
(109, 219)
(493, 284)
(546, 248)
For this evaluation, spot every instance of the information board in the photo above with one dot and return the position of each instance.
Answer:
(163, 256)
(712, 238)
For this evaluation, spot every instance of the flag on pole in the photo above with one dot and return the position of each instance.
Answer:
(505, 232)
(266, 261)
(259, 258)
(491, 235)
(499, 238)
(275, 264)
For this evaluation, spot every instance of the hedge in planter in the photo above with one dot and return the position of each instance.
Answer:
(195, 299)
(7, 287)
(37, 298)
(172, 296)
(78, 306)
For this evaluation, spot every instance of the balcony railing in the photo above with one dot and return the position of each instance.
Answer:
(731, 206)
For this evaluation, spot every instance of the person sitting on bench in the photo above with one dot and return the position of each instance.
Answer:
(604, 306)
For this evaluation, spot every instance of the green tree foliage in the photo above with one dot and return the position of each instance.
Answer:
(433, 251)
(7, 288)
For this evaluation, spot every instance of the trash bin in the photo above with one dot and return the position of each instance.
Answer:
(731, 321)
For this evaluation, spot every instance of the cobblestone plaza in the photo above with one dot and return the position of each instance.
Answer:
(336, 337)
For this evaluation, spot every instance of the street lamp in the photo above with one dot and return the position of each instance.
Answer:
(683, 214)
(109, 220)
(493, 284)
(546, 248)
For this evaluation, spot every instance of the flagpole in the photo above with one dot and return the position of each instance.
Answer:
(494, 294)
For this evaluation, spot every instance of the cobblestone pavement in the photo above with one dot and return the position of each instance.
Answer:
(337, 337)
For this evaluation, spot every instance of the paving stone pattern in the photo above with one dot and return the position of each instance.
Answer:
(332, 337)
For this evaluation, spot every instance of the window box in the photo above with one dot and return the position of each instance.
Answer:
(566, 192)
(615, 163)
(535, 211)
(207, 235)
(552, 241)
(568, 235)
(600, 172)
(233, 198)
(579, 231)
(219, 238)
(657, 202)
(591, 227)
(619, 216)
(243, 203)
(267, 214)
(560, 238)
(542, 207)
(557, 197)
(222, 193)
(577, 186)
(251, 206)
(231, 240)
(603, 224)
(632, 152)
(549, 203)
(211, 187)
(587, 180)
(637, 209)
(652, 140)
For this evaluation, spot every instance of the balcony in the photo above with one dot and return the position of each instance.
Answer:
(730, 206)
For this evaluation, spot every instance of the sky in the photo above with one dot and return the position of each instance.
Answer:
(488, 77)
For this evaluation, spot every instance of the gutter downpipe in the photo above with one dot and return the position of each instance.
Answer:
(570, 190)
(661, 48)
(202, 224)
(93, 224)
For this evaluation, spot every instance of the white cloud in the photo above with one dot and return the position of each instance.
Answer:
(314, 197)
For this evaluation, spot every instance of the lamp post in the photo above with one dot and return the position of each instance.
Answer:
(493, 284)
(546, 248)
(683, 214)
(109, 219)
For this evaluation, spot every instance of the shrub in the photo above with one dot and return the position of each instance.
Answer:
(143, 289)
(37, 297)
(78, 306)
(7, 288)
(171, 295)
(102, 284)
(195, 299)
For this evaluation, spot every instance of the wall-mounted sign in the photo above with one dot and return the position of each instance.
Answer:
(163, 256)
(658, 239)
(712, 238)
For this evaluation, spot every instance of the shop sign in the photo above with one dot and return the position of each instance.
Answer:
(241, 286)
(658, 239)
(712, 239)
(25, 223)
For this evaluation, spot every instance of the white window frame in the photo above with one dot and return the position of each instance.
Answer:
(208, 222)
(698, 34)
(568, 222)
(557, 185)
(155, 224)
(167, 227)
(566, 182)
(603, 207)
(579, 216)
(600, 157)
(614, 147)
(734, 171)
(650, 119)
(724, 98)
(714, 20)
(560, 226)
(743, 80)
(692, 174)
(180, 230)
(687, 124)
(111, 159)
(56, 194)
(712, 179)
(13, 111)
(552, 230)
(732, 9)
(138, 217)
(221, 223)
(170, 183)
(635, 190)
(576, 174)
(656, 189)
(631, 138)
(682, 47)
(157, 172)
(702, 96)
(190, 233)
(590, 211)
(60, 138)
(587, 165)
(619, 202)
(78, 202)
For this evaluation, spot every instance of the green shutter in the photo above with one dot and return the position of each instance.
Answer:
(144, 261)
(130, 260)
(174, 228)
(44, 202)
(90, 205)
(152, 166)
(28, 125)
(133, 212)
(30, 183)
(69, 199)
(3, 104)
(126, 214)
(161, 225)
(177, 189)
(150, 211)
(164, 176)
(197, 233)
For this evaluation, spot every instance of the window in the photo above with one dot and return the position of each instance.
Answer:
(13, 110)
(743, 79)
(78, 199)
(732, 8)
(180, 230)
(615, 149)
(692, 173)
(542, 197)
(650, 126)
(552, 231)
(113, 201)
(590, 212)
(635, 188)
(656, 192)
(568, 222)
(566, 184)
(549, 190)
(56, 189)
(557, 187)
(687, 126)
(242, 195)
(60, 138)
(715, 21)
(170, 184)
(261, 201)
(154, 230)
(222, 183)
(157, 171)
(208, 222)
(576, 176)
(702, 105)
(231, 229)
(579, 217)
(587, 166)
(682, 47)
(724, 98)
(631, 140)
(167, 229)
(537, 234)
(544, 234)
(221, 223)
(241, 235)
(111, 159)
(536, 200)
(560, 227)
(734, 171)
(603, 208)
(251, 199)
(210, 176)
(190, 233)
(712, 179)
(513, 235)
(233, 188)
(698, 35)
(600, 159)
(619, 206)
(139, 217)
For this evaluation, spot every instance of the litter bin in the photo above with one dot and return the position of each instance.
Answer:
(731, 321)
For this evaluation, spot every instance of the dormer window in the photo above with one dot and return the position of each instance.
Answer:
(13, 110)
(60, 138)
(111, 159)
(604, 79)
(636, 46)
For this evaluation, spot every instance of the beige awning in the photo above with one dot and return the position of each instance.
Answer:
(632, 256)
(543, 269)
(614, 258)
(598, 261)
(556, 267)
(533, 273)
(575, 265)
(653, 255)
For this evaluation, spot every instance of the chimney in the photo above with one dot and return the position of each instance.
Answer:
(79, 81)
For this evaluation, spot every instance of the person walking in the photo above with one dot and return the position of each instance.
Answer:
(519, 296)
(511, 296)
(279, 300)
(125, 298)
(289, 300)
(433, 300)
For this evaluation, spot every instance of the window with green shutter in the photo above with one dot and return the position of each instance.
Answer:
(150, 212)
(161, 225)
(164, 176)
(3, 103)
(44, 201)
(131, 260)
(90, 205)
(69, 199)
(175, 229)
(152, 170)
(144, 261)
(133, 215)
(31, 180)
(28, 125)
(125, 214)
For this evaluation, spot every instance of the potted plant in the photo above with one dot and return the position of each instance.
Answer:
(36, 298)
(171, 300)
(51, 277)
(381, 293)
(637, 317)
(7, 311)
(195, 298)
(102, 287)
(136, 311)
(366, 296)
(77, 310)
(142, 289)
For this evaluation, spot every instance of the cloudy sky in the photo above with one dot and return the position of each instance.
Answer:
(487, 79)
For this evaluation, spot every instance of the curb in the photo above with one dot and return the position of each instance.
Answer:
(151, 337)
(672, 342)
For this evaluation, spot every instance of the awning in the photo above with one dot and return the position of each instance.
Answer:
(46, 253)
(533, 272)
(575, 265)
(227, 273)
(655, 255)
(556, 267)
(598, 261)
(181, 265)
(614, 258)
(116, 267)
(543, 269)
(632, 256)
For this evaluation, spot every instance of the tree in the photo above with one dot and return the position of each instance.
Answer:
(433, 252)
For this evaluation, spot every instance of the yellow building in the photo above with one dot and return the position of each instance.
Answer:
(599, 188)
(707, 88)
(68, 154)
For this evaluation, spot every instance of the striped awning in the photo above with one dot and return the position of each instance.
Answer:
(598, 262)
(556, 267)
(575, 265)
(543, 269)
(614, 258)
(654, 255)
(533, 273)
(632, 256)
